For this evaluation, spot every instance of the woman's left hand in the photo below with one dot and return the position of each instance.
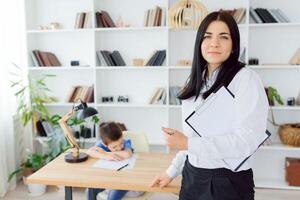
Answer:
(175, 139)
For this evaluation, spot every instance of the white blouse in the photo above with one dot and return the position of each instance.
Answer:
(251, 111)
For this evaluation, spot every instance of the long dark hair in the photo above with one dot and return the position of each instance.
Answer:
(228, 69)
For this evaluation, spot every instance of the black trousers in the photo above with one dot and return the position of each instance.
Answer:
(215, 184)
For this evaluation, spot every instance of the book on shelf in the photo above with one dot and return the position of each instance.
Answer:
(104, 20)
(41, 58)
(159, 96)
(106, 58)
(237, 13)
(155, 17)
(157, 58)
(85, 93)
(173, 93)
(263, 15)
(242, 57)
(83, 20)
(295, 59)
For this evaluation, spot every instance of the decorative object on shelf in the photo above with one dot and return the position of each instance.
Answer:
(74, 63)
(123, 98)
(290, 101)
(273, 96)
(52, 26)
(292, 170)
(295, 59)
(55, 25)
(298, 100)
(186, 14)
(107, 99)
(289, 134)
(137, 62)
(83, 112)
(120, 22)
(253, 61)
(184, 62)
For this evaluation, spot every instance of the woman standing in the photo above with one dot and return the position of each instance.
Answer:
(205, 176)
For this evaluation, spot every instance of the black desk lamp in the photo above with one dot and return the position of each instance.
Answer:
(83, 112)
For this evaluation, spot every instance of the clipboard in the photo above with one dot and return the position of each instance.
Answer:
(204, 120)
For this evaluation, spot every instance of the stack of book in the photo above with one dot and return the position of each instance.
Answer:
(41, 58)
(155, 17)
(173, 92)
(85, 93)
(104, 20)
(157, 58)
(159, 96)
(263, 15)
(295, 60)
(237, 14)
(106, 58)
(83, 20)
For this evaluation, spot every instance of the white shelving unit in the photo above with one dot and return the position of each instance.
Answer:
(273, 44)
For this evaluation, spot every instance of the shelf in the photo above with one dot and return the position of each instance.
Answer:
(285, 107)
(60, 31)
(153, 28)
(280, 147)
(88, 140)
(274, 184)
(195, 30)
(132, 68)
(129, 105)
(266, 25)
(277, 66)
(175, 106)
(40, 68)
(64, 104)
(180, 67)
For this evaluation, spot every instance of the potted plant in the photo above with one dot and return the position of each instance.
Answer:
(273, 96)
(33, 163)
(31, 96)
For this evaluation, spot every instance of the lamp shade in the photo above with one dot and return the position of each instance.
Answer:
(86, 112)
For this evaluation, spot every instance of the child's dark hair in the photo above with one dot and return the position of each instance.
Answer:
(110, 132)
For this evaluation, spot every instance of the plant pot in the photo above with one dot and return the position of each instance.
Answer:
(35, 189)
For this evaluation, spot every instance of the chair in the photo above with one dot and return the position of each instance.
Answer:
(140, 144)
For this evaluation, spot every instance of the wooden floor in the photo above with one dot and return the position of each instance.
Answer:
(53, 193)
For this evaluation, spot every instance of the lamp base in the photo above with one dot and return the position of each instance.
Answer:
(81, 158)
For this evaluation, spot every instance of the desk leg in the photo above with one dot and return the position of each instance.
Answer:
(92, 194)
(68, 193)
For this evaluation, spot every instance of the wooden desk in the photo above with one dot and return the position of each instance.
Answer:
(59, 172)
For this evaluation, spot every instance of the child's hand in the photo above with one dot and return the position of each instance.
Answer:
(112, 156)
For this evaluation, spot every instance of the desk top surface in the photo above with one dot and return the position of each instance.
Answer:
(59, 172)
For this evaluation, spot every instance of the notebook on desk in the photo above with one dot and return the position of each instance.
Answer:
(216, 117)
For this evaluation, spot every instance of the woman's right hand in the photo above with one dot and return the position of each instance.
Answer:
(161, 180)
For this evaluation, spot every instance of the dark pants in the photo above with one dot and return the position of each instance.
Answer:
(215, 184)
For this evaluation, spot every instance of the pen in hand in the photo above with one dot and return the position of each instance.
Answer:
(122, 167)
(168, 131)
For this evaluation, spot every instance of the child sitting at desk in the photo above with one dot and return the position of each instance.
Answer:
(112, 146)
